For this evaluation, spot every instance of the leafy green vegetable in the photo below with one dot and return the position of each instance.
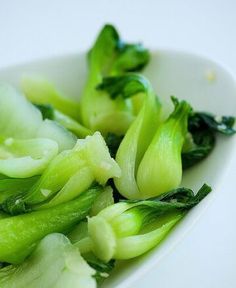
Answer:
(25, 157)
(140, 132)
(15, 186)
(109, 56)
(24, 120)
(41, 91)
(69, 174)
(53, 130)
(201, 140)
(130, 228)
(102, 268)
(160, 169)
(48, 112)
(55, 263)
(19, 234)
(113, 142)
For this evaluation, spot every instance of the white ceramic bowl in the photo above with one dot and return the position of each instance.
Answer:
(204, 83)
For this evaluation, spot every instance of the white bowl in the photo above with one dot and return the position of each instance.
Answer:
(205, 84)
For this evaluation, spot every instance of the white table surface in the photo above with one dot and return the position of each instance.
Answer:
(37, 29)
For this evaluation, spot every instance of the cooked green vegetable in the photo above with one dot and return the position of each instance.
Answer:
(15, 186)
(109, 56)
(128, 229)
(41, 91)
(113, 142)
(25, 158)
(53, 130)
(18, 117)
(201, 140)
(69, 174)
(140, 133)
(26, 121)
(66, 121)
(160, 169)
(55, 263)
(19, 234)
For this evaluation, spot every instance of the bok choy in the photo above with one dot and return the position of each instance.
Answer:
(19, 234)
(25, 158)
(26, 121)
(55, 263)
(68, 175)
(128, 229)
(110, 56)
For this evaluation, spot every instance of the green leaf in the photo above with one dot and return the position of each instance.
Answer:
(201, 141)
(109, 57)
(48, 112)
(113, 142)
(19, 234)
(68, 175)
(23, 158)
(130, 228)
(54, 263)
(40, 91)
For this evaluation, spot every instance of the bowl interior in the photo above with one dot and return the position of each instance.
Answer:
(204, 83)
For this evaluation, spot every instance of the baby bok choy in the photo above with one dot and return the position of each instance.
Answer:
(40, 91)
(68, 174)
(150, 154)
(140, 133)
(110, 56)
(130, 228)
(160, 169)
(23, 158)
(202, 128)
(49, 112)
(55, 263)
(15, 186)
(22, 120)
(19, 234)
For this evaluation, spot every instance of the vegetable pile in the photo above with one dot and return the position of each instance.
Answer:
(86, 183)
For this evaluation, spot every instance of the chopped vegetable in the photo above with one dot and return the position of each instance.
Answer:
(26, 121)
(140, 133)
(109, 56)
(52, 130)
(41, 91)
(55, 263)
(201, 139)
(18, 117)
(71, 173)
(108, 210)
(25, 157)
(19, 234)
(15, 186)
(160, 169)
(66, 121)
(128, 229)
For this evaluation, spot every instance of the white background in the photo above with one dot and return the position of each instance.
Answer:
(37, 29)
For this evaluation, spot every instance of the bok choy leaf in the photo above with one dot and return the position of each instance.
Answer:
(130, 228)
(55, 263)
(109, 56)
(19, 234)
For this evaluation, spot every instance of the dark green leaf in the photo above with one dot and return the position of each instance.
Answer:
(203, 128)
(46, 110)
(113, 142)
(111, 55)
(102, 269)
(177, 199)
(222, 124)
(125, 86)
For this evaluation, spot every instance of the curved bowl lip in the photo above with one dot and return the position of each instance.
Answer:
(199, 211)
(153, 51)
